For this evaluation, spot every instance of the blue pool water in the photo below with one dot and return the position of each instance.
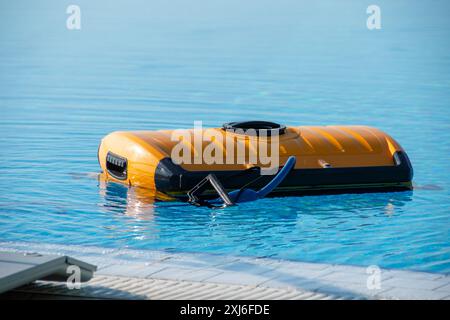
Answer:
(163, 64)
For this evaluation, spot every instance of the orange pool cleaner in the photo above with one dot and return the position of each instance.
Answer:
(329, 159)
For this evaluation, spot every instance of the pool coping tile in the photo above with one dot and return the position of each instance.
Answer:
(342, 280)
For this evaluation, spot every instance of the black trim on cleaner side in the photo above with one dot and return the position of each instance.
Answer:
(175, 181)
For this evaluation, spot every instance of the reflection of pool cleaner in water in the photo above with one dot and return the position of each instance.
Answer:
(243, 194)
(330, 159)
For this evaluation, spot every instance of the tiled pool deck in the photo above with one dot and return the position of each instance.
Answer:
(286, 279)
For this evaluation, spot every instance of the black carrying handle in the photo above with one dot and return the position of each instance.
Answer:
(271, 128)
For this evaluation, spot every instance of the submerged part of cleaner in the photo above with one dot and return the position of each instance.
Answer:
(243, 194)
(329, 159)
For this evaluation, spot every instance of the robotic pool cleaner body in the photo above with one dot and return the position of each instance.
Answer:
(329, 159)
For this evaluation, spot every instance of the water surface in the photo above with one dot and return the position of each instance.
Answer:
(147, 65)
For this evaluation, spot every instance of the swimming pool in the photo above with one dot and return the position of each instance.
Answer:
(138, 65)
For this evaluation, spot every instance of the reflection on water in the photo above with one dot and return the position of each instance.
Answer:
(136, 202)
(142, 203)
(351, 228)
(133, 202)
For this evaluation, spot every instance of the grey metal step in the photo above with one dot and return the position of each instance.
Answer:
(18, 269)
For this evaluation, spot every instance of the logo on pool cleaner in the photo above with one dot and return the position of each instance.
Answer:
(208, 146)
